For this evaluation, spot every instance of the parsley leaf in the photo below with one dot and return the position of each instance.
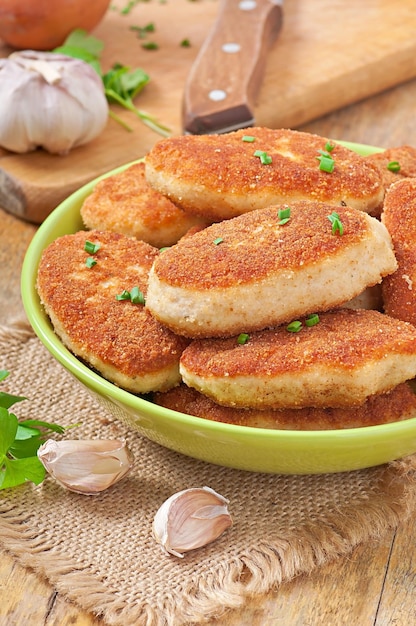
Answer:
(121, 83)
(19, 443)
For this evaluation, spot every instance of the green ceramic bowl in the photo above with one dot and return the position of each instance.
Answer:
(240, 447)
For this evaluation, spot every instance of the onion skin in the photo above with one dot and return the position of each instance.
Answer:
(45, 24)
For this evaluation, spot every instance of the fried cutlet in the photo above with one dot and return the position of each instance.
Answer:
(119, 338)
(393, 406)
(222, 176)
(124, 203)
(399, 216)
(258, 270)
(395, 164)
(348, 356)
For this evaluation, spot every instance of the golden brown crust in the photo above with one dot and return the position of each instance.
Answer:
(339, 362)
(399, 217)
(218, 176)
(344, 338)
(125, 203)
(248, 248)
(404, 155)
(120, 339)
(399, 404)
(252, 272)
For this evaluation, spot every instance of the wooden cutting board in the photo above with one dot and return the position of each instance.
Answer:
(329, 53)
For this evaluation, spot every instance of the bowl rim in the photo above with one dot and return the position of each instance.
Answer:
(96, 383)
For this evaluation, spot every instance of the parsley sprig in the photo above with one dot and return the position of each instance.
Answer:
(19, 443)
(121, 83)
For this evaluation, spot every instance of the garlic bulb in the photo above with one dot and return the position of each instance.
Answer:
(49, 100)
(86, 466)
(190, 519)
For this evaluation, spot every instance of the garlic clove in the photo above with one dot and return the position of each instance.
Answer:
(191, 519)
(86, 466)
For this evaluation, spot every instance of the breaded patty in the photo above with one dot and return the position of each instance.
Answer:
(370, 298)
(393, 406)
(252, 271)
(404, 157)
(221, 176)
(124, 203)
(118, 338)
(399, 216)
(346, 357)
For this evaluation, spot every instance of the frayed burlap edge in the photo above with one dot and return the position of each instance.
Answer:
(259, 569)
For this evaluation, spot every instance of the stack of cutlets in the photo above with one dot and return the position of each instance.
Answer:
(260, 303)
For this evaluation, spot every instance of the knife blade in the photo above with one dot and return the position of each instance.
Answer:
(225, 78)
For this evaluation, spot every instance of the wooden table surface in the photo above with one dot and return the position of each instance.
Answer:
(376, 584)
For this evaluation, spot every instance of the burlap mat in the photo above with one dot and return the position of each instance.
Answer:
(99, 550)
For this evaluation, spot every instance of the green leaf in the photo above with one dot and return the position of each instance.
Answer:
(81, 40)
(18, 471)
(24, 448)
(83, 55)
(134, 81)
(8, 429)
(7, 399)
(56, 428)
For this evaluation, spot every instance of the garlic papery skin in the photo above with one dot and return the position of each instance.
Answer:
(49, 101)
(191, 519)
(86, 466)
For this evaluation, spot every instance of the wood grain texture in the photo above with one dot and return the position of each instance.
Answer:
(376, 584)
(328, 54)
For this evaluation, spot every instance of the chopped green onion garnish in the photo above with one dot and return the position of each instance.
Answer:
(90, 261)
(284, 215)
(394, 166)
(217, 241)
(248, 138)
(329, 146)
(163, 249)
(326, 162)
(264, 157)
(137, 296)
(243, 338)
(294, 327)
(124, 295)
(337, 226)
(91, 247)
(312, 320)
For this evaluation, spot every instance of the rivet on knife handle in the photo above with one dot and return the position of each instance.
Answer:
(226, 75)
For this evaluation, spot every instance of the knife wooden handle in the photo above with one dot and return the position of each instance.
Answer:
(226, 75)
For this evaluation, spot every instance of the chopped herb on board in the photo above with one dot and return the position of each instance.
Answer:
(150, 45)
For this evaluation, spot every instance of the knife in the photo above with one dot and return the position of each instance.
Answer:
(225, 77)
